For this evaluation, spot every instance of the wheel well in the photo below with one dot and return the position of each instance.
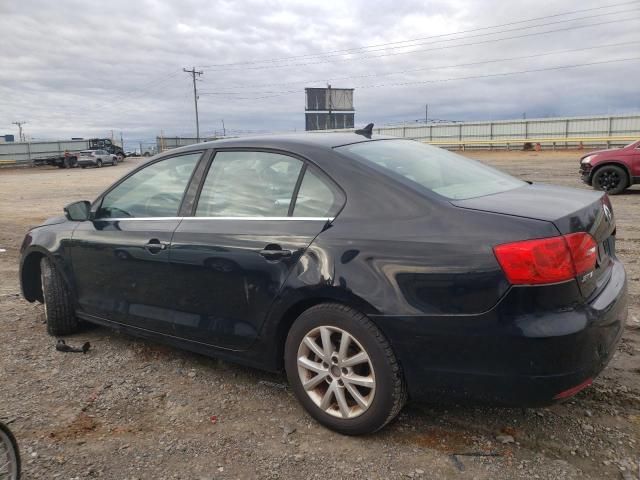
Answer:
(614, 164)
(30, 277)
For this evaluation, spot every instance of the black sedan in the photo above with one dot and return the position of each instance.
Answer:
(372, 269)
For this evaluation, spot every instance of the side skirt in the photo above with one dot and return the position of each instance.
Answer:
(243, 357)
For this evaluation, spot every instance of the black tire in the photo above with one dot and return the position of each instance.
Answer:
(99, 163)
(611, 179)
(10, 445)
(390, 393)
(58, 303)
(83, 166)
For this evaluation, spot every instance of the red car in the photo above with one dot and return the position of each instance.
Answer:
(612, 170)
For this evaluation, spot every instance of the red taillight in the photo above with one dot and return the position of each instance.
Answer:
(583, 250)
(547, 260)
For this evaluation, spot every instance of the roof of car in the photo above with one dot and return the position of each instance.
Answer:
(321, 139)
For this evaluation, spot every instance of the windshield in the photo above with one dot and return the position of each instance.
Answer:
(447, 174)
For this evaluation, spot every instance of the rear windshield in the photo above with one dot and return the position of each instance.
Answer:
(447, 174)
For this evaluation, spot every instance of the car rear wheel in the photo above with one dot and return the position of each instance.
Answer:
(611, 179)
(57, 300)
(9, 455)
(99, 163)
(343, 371)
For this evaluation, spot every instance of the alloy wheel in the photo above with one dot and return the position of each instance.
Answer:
(336, 372)
(609, 180)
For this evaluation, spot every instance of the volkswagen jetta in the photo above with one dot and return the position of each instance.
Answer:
(371, 269)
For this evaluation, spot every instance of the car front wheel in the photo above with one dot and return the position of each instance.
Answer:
(611, 179)
(9, 454)
(343, 370)
(56, 297)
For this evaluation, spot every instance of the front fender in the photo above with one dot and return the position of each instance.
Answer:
(48, 241)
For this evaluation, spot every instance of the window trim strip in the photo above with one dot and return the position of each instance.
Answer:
(314, 219)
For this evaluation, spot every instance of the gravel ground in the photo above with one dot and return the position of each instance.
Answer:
(134, 409)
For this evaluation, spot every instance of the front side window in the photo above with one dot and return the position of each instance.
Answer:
(249, 184)
(317, 197)
(445, 173)
(154, 191)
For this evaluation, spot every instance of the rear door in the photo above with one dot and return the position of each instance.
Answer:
(231, 258)
(120, 258)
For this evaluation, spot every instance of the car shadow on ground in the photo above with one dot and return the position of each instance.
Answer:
(449, 428)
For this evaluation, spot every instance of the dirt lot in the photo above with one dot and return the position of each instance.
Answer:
(132, 409)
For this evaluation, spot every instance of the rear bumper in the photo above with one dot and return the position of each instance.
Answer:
(517, 354)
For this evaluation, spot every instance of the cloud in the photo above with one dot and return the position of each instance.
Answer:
(76, 68)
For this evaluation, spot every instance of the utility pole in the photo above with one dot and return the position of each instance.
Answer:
(20, 135)
(121, 142)
(426, 113)
(193, 73)
(224, 130)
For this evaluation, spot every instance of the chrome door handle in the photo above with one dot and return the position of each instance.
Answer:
(155, 246)
(273, 254)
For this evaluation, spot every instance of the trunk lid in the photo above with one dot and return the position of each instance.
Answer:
(570, 210)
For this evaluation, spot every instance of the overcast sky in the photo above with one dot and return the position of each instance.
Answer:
(81, 68)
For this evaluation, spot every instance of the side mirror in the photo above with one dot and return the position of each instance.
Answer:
(78, 211)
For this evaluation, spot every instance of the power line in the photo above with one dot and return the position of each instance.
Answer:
(481, 42)
(156, 82)
(442, 67)
(193, 73)
(260, 64)
(426, 38)
(472, 77)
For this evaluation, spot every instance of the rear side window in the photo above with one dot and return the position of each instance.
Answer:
(317, 197)
(154, 191)
(249, 184)
(445, 173)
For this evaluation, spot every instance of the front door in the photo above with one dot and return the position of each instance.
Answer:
(233, 255)
(120, 258)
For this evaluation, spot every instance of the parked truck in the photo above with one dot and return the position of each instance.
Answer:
(59, 153)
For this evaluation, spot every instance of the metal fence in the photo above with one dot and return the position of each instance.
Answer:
(610, 130)
(559, 132)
